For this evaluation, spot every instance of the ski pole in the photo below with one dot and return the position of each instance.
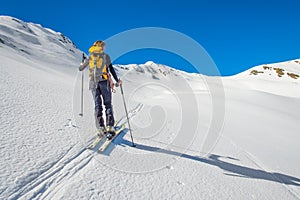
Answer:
(133, 145)
(82, 80)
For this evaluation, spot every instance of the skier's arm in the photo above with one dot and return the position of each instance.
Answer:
(112, 70)
(84, 64)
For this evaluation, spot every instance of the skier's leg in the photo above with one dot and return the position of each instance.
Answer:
(107, 100)
(98, 107)
(92, 88)
(93, 91)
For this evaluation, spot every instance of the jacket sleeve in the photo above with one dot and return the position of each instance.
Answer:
(111, 69)
(84, 64)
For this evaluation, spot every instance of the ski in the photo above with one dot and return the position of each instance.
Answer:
(104, 146)
(95, 143)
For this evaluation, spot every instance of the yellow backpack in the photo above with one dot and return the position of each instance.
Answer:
(98, 64)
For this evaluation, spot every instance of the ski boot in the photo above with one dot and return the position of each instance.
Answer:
(101, 132)
(110, 132)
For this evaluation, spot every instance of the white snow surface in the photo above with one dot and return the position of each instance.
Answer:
(252, 152)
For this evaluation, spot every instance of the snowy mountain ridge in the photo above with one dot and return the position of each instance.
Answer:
(32, 39)
(278, 78)
(277, 71)
(35, 42)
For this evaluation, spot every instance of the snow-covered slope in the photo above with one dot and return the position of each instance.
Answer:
(43, 140)
(283, 71)
(279, 78)
(37, 76)
(32, 41)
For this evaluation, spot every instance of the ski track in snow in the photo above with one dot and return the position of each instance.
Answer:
(53, 178)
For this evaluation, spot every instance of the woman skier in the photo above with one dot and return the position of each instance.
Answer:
(101, 86)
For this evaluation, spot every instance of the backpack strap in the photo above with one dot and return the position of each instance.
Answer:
(95, 68)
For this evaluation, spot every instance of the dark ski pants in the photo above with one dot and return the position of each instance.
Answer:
(103, 93)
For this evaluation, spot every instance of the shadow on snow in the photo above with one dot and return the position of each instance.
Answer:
(214, 160)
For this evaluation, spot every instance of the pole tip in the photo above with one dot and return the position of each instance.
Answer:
(80, 114)
(133, 145)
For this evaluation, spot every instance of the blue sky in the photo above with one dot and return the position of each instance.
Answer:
(237, 34)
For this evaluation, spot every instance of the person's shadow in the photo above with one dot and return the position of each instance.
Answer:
(214, 160)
